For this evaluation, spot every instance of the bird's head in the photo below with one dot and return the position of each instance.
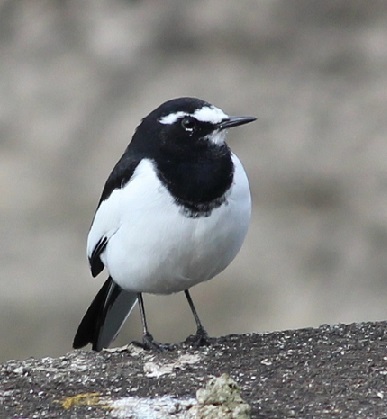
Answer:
(187, 123)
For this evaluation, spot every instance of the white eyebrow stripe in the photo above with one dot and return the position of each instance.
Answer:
(205, 114)
(172, 118)
(210, 114)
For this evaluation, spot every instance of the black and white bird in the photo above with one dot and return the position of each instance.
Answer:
(174, 212)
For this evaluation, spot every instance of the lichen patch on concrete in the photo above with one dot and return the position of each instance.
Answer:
(85, 399)
(155, 369)
(147, 408)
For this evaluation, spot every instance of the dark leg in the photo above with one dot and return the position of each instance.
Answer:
(147, 339)
(200, 338)
(146, 336)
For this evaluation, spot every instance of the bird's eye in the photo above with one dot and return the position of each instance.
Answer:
(188, 123)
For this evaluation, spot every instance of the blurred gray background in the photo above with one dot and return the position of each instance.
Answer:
(77, 76)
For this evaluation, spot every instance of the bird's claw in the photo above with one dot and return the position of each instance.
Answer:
(200, 338)
(149, 344)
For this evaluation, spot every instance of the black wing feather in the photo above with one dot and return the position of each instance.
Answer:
(96, 264)
(120, 176)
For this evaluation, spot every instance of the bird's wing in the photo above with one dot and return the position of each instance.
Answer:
(108, 213)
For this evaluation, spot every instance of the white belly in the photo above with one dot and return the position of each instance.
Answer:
(157, 249)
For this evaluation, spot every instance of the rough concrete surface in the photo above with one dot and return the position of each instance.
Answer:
(328, 372)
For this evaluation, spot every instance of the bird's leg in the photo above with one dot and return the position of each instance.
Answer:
(200, 338)
(146, 336)
(147, 339)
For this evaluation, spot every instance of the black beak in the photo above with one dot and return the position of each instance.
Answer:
(235, 121)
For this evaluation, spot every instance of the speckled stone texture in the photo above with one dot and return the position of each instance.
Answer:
(328, 372)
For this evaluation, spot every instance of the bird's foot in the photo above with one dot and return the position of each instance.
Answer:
(200, 338)
(149, 344)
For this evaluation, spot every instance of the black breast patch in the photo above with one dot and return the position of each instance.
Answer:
(199, 185)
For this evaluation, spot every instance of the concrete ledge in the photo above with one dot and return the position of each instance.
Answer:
(328, 372)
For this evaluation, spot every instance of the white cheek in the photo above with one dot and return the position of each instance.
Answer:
(217, 138)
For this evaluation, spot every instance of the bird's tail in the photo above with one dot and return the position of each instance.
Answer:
(105, 316)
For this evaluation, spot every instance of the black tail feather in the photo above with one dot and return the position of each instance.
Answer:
(105, 316)
(88, 328)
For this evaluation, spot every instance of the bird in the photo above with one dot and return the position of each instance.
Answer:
(173, 213)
